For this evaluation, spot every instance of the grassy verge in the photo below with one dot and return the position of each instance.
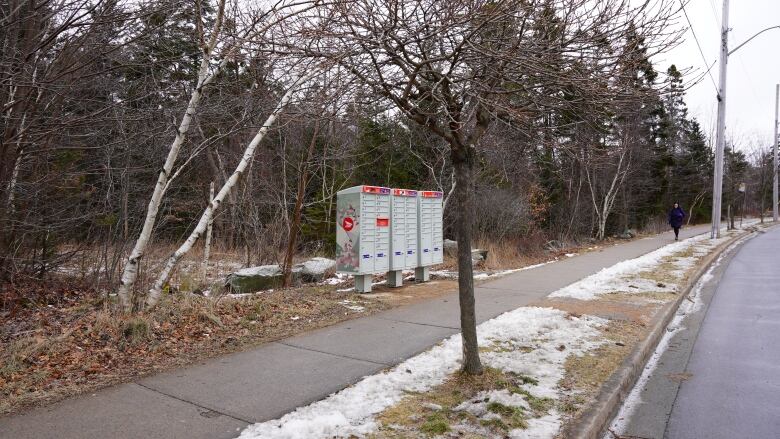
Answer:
(464, 401)
(52, 350)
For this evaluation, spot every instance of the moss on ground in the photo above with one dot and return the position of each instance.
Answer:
(426, 414)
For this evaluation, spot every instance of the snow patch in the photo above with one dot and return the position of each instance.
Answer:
(622, 277)
(352, 410)
(545, 427)
(240, 295)
(352, 305)
(694, 304)
(338, 278)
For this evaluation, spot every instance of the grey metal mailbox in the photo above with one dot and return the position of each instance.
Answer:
(363, 233)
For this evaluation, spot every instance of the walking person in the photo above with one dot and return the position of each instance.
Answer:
(676, 216)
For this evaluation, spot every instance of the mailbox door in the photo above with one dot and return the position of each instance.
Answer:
(382, 248)
(398, 227)
(348, 243)
(426, 232)
(438, 232)
(410, 217)
(368, 233)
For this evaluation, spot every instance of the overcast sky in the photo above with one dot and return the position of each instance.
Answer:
(753, 71)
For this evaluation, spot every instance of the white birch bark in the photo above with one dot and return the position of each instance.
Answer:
(130, 271)
(207, 244)
(154, 293)
(603, 211)
(12, 184)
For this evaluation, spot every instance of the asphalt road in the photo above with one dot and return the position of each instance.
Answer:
(719, 377)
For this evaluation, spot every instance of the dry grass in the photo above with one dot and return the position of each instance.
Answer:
(51, 352)
(504, 256)
(87, 263)
(511, 254)
(587, 373)
(639, 298)
(433, 412)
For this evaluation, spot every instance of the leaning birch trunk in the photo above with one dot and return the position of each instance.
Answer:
(156, 290)
(130, 271)
(209, 227)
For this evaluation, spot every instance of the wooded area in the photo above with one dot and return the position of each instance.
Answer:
(130, 127)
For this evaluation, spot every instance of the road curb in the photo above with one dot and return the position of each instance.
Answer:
(594, 421)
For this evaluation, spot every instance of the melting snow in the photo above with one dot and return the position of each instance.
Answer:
(688, 307)
(352, 410)
(352, 305)
(622, 276)
(529, 342)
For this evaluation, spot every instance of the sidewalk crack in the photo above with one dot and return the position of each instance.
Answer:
(332, 354)
(417, 323)
(210, 409)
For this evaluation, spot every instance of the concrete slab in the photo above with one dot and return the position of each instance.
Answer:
(373, 339)
(263, 383)
(550, 277)
(128, 411)
(445, 311)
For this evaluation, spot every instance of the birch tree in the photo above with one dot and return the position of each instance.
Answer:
(604, 192)
(156, 290)
(130, 271)
(206, 75)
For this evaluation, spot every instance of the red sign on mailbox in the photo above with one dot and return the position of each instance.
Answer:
(348, 223)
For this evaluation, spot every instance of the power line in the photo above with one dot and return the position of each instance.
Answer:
(699, 78)
(715, 13)
(701, 52)
(733, 37)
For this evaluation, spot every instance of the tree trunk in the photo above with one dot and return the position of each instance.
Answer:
(292, 236)
(463, 163)
(209, 227)
(130, 271)
(125, 212)
(208, 213)
(602, 230)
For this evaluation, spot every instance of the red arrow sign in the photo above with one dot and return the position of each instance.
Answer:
(348, 223)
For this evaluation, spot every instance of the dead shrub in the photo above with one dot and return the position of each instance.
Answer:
(137, 329)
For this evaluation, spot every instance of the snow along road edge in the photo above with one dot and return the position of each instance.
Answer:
(616, 389)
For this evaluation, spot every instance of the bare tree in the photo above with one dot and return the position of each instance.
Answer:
(51, 53)
(156, 289)
(457, 68)
(211, 65)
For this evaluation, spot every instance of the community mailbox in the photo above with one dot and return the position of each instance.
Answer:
(431, 239)
(388, 230)
(403, 234)
(363, 233)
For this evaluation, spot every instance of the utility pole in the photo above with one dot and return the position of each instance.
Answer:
(774, 161)
(717, 183)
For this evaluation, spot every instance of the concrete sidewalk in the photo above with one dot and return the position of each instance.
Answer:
(221, 396)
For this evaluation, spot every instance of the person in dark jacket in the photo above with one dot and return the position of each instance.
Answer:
(676, 216)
